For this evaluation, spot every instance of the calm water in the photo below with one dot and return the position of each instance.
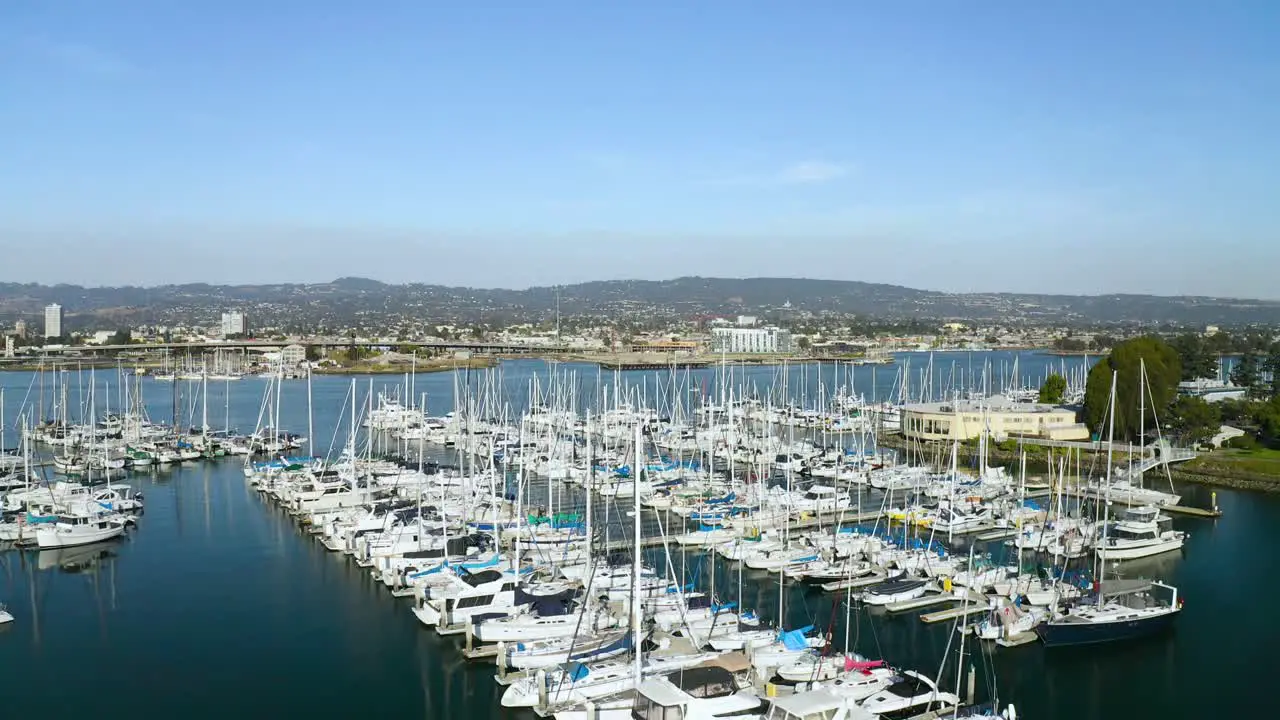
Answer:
(217, 606)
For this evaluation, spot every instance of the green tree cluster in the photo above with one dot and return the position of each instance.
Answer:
(1163, 372)
(1193, 421)
(1070, 344)
(1053, 390)
(120, 337)
(1245, 373)
(1199, 360)
(1261, 419)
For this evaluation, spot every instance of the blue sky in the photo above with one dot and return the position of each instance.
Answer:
(997, 145)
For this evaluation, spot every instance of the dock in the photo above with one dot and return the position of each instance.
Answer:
(1191, 511)
(675, 363)
(975, 607)
(805, 521)
(1018, 639)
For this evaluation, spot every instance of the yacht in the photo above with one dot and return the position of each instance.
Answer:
(819, 704)
(70, 530)
(579, 682)
(895, 590)
(1142, 532)
(704, 692)
(913, 694)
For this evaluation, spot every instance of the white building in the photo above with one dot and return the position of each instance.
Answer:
(53, 321)
(750, 340)
(293, 355)
(233, 323)
(8, 346)
(966, 419)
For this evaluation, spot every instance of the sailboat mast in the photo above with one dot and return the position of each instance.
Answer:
(1106, 504)
(311, 428)
(636, 613)
(1142, 416)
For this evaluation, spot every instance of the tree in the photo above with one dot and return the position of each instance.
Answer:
(803, 344)
(1102, 342)
(1163, 371)
(1053, 390)
(1193, 420)
(1198, 360)
(1272, 366)
(121, 337)
(1245, 372)
(1069, 344)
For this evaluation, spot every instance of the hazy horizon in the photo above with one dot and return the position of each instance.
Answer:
(1085, 148)
(622, 279)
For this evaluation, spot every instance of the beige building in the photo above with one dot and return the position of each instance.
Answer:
(965, 419)
(293, 356)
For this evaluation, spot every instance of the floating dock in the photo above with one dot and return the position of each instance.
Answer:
(974, 608)
(1018, 639)
(1191, 511)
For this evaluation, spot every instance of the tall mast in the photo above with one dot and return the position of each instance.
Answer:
(311, 429)
(1106, 504)
(1142, 416)
(636, 613)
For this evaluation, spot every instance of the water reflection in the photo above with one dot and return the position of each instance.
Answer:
(76, 559)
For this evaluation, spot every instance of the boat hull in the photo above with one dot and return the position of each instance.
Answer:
(1060, 634)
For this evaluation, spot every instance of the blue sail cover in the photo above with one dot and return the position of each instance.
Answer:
(726, 499)
(795, 640)
(576, 671)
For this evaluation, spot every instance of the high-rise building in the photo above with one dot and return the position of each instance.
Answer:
(20, 329)
(8, 346)
(233, 323)
(53, 321)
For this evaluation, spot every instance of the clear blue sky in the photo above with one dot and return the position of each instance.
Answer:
(960, 145)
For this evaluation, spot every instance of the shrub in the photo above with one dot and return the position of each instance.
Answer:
(1244, 442)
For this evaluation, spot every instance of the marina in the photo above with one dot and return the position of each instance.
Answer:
(257, 535)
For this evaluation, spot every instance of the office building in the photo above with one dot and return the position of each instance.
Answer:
(53, 321)
(738, 340)
(233, 323)
(20, 329)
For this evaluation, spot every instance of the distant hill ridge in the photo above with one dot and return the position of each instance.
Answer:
(685, 296)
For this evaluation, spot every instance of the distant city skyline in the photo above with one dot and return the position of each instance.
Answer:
(1074, 148)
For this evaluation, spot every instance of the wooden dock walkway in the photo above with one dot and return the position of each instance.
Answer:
(978, 605)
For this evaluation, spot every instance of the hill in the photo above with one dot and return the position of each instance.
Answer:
(352, 300)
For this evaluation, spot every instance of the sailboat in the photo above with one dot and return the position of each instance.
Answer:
(1118, 610)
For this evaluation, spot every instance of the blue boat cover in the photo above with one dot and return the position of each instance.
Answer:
(794, 640)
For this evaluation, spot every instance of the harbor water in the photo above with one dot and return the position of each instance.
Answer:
(217, 605)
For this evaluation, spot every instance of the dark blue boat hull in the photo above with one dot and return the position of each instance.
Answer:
(1058, 634)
